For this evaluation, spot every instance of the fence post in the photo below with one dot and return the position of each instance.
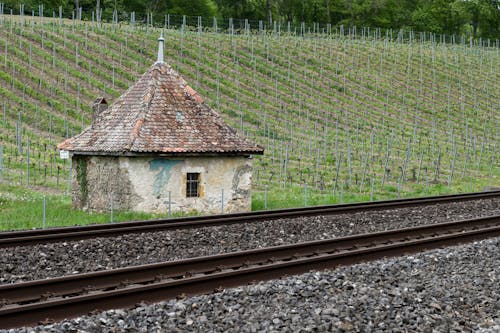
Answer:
(69, 176)
(373, 185)
(111, 206)
(57, 179)
(265, 198)
(305, 194)
(426, 183)
(169, 203)
(222, 201)
(28, 165)
(341, 192)
(399, 187)
(44, 212)
(1, 162)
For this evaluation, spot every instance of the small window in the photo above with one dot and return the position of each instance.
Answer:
(193, 185)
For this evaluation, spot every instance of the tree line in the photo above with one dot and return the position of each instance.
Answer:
(477, 18)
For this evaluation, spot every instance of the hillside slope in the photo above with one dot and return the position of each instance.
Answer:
(335, 113)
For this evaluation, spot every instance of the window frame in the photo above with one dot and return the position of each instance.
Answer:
(193, 180)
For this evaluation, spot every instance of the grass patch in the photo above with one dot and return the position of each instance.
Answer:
(22, 208)
(297, 197)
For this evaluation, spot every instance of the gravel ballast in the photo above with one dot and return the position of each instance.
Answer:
(19, 264)
(455, 289)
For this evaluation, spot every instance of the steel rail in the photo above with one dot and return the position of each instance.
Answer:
(37, 236)
(31, 302)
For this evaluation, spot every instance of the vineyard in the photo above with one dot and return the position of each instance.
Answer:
(343, 115)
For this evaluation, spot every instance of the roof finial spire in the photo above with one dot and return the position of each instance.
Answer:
(160, 48)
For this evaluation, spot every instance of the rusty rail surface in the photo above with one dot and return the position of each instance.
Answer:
(30, 303)
(37, 236)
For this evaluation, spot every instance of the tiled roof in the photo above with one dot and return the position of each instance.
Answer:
(160, 114)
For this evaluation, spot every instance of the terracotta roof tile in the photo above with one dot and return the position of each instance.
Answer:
(160, 113)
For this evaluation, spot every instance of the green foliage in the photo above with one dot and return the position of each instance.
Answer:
(479, 18)
(438, 16)
(204, 8)
(81, 176)
(483, 16)
(252, 9)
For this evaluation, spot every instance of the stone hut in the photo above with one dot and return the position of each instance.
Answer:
(158, 146)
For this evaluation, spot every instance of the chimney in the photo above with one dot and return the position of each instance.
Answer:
(160, 48)
(100, 104)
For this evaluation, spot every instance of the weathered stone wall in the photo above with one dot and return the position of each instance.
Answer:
(144, 183)
(96, 178)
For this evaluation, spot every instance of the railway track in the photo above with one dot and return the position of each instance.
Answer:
(37, 236)
(53, 299)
